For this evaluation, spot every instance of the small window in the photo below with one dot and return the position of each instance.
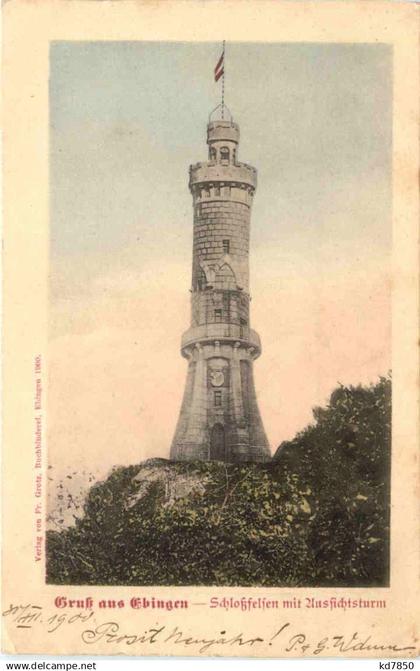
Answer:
(218, 398)
(234, 157)
(217, 190)
(218, 315)
(226, 246)
(224, 156)
(212, 154)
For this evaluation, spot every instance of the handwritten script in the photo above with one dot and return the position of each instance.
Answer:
(287, 637)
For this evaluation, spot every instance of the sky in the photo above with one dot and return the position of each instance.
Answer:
(126, 120)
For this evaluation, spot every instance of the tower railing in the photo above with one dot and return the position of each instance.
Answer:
(221, 331)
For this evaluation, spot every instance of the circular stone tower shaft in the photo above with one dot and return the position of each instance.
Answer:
(219, 416)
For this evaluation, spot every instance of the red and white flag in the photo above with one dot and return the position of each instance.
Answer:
(219, 69)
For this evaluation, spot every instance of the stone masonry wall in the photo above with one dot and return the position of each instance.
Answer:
(215, 221)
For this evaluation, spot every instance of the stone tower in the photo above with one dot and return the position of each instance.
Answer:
(219, 416)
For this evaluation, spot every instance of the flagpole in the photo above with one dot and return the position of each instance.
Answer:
(223, 82)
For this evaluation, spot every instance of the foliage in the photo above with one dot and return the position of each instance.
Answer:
(344, 460)
(318, 514)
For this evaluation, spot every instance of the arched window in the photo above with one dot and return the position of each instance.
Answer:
(201, 280)
(225, 278)
(224, 156)
(234, 157)
(212, 154)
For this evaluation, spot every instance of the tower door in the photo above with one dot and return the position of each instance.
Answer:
(217, 443)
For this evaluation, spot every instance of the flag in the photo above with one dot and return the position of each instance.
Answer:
(219, 69)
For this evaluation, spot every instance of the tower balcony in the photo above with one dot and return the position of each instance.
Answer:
(223, 333)
(241, 173)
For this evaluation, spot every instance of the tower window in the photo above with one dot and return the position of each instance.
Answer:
(226, 246)
(217, 190)
(218, 398)
(234, 156)
(201, 280)
(212, 154)
(218, 315)
(224, 156)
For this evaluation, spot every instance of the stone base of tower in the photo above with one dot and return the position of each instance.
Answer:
(219, 418)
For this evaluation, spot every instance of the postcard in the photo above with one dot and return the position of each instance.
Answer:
(210, 329)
